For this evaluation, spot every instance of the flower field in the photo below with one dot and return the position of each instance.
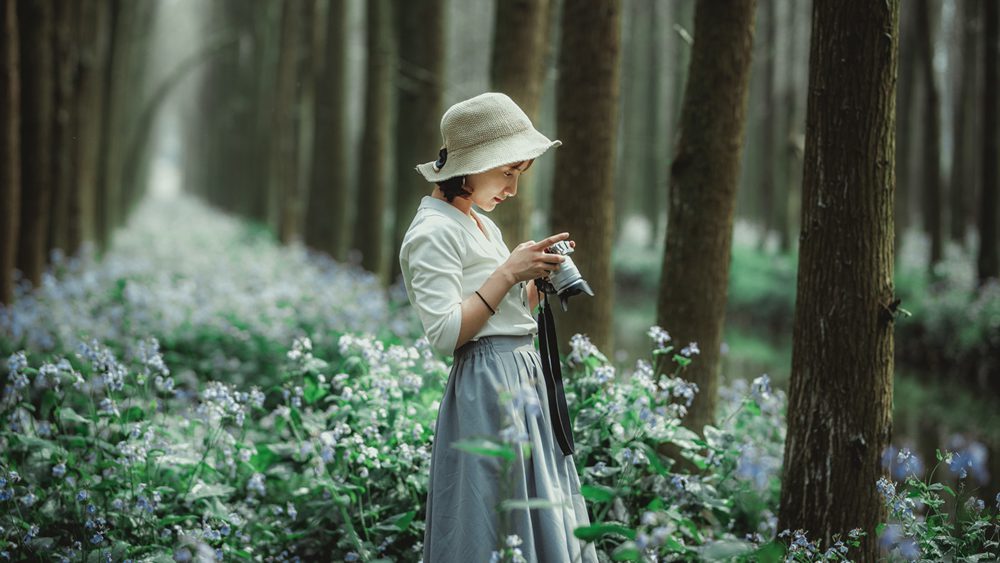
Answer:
(202, 393)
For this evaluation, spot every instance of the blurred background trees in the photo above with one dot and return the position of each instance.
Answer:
(307, 118)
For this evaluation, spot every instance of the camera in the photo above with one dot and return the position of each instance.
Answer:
(567, 280)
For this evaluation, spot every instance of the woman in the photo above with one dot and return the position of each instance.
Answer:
(474, 298)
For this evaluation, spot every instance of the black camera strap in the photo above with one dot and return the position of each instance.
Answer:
(552, 369)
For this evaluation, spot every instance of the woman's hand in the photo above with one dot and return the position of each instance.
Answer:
(529, 260)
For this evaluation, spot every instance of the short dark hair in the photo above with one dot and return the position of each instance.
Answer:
(453, 187)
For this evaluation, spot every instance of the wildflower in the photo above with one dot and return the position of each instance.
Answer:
(513, 540)
(292, 512)
(29, 499)
(256, 484)
(82, 495)
(351, 556)
(760, 389)
(659, 336)
(59, 470)
(182, 554)
(974, 504)
(96, 539)
(998, 501)
(604, 373)
(691, 348)
(580, 349)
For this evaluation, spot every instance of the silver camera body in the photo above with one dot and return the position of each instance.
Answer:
(567, 279)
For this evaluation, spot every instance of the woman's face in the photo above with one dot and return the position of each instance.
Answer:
(490, 188)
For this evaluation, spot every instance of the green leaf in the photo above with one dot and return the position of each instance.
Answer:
(398, 522)
(66, 414)
(201, 490)
(263, 459)
(311, 390)
(133, 414)
(49, 401)
(724, 549)
(595, 531)
(598, 493)
(485, 447)
(627, 551)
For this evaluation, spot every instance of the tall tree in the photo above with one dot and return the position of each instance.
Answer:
(373, 183)
(905, 104)
(769, 124)
(520, 48)
(840, 396)
(91, 31)
(586, 122)
(962, 181)
(988, 261)
(930, 144)
(420, 27)
(284, 156)
(10, 148)
(327, 213)
(702, 192)
(63, 137)
(35, 18)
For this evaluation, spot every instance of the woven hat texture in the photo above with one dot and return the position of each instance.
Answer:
(484, 132)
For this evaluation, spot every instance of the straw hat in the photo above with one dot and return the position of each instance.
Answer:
(481, 133)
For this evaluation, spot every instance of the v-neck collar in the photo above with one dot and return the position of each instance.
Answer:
(468, 222)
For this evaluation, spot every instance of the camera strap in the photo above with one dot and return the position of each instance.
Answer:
(552, 370)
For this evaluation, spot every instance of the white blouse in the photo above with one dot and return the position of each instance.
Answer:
(444, 258)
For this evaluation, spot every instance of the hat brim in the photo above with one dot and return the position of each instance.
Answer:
(480, 158)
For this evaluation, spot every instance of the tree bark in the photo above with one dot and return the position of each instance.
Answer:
(327, 214)
(840, 396)
(373, 185)
(769, 126)
(37, 96)
(10, 148)
(703, 183)
(520, 47)
(583, 198)
(988, 261)
(91, 37)
(961, 165)
(905, 102)
(284, 148)
(930, 159)
(420, 97)
(64, 136)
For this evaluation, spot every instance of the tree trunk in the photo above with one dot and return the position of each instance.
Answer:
(64, 135)
(769, 126)
(373, 185)
(520, 47)
(91, 37)
(583, 197)
(420, 97)
(961, 180)
(930, 159)
(988, 261)
(327, 214)
(703, 182)
(10, 148)
(905, 101)
(37, 96)
(790, 199)
(840, 396)
(106, 195)
(284, 148)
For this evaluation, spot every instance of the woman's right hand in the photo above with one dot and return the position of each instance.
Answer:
(529, 260)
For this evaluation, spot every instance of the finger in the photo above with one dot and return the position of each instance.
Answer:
(572, 243)
(553, 258)
(543, 244)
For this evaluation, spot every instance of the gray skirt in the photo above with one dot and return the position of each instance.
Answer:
(462, 520)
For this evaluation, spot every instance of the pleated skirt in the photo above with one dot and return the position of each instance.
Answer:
(463, 523)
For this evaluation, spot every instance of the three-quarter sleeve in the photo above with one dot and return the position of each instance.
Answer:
(431, 262)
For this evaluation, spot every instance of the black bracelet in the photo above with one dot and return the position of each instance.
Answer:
(492, 312)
